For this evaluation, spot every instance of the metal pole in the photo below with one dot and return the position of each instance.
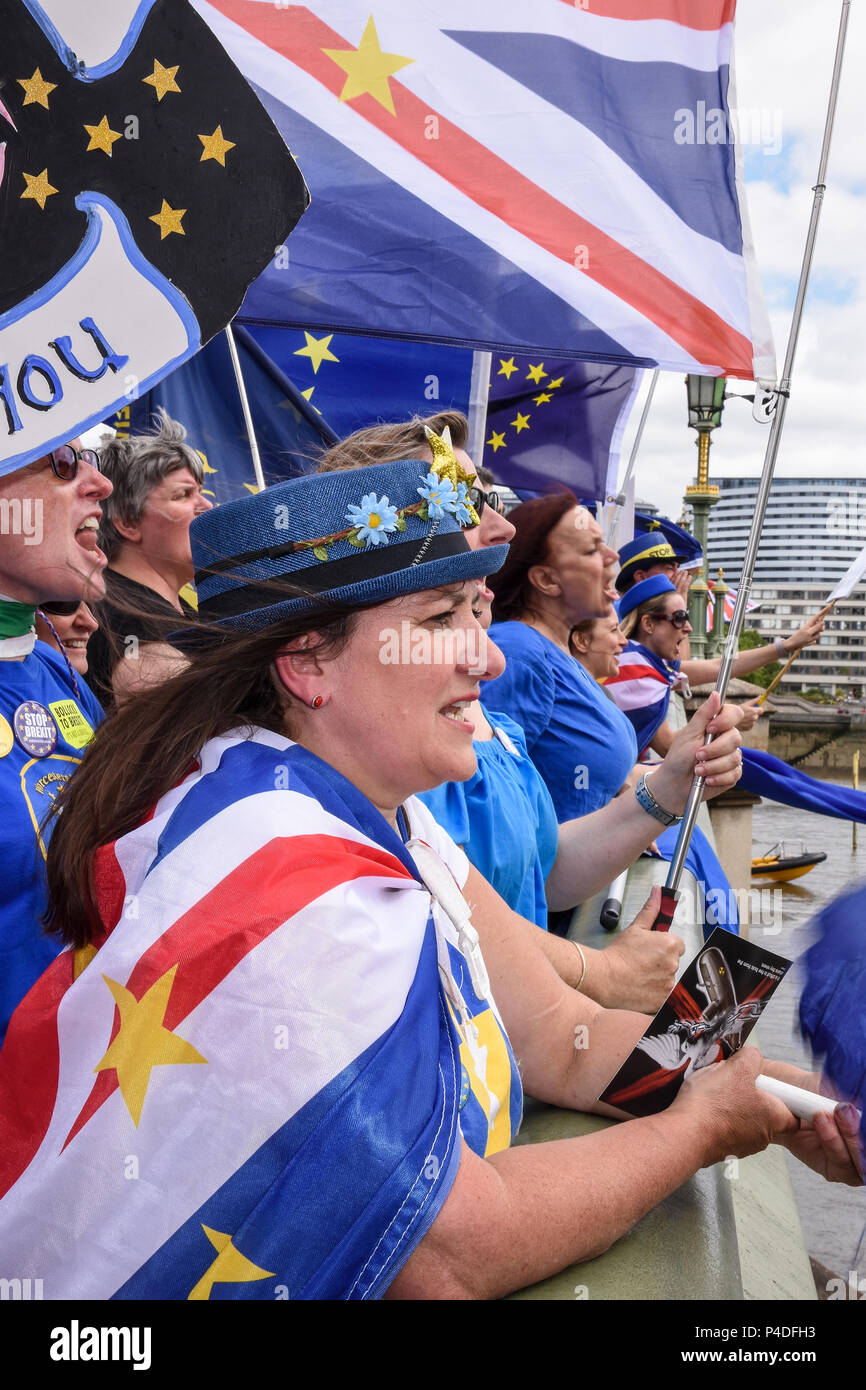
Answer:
(855, 778)
(782, 394)
(619, 500)
(245, 407)
(479, 391)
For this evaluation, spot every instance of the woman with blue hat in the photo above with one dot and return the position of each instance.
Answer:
(278, 1059)
(653, 616)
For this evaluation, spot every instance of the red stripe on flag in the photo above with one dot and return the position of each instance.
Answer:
(209, 940)
(497, 187)
(633, 673)
(691, 14)
(29, 1067)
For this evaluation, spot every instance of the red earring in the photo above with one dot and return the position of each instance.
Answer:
(317, 702)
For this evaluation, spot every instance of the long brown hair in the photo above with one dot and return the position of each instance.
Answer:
(534, 520)
(150, 743)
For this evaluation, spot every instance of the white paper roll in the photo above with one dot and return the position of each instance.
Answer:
(805, 1104)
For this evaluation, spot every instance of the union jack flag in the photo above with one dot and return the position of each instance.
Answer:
(730, 603)
(257, 1085)
(533, 176)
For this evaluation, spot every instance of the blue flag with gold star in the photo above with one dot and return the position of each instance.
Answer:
(553, 423)
(203, 396)
(356, 381)
(142, 188)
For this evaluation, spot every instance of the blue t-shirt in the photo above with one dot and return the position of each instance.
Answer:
(583, 746)
(504, 819)
(28, 785)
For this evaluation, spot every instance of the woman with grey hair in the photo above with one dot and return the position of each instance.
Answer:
(158, 488)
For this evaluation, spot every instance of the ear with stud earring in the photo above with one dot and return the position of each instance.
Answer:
(317, 702)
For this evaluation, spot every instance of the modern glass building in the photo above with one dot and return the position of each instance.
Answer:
(814, 529)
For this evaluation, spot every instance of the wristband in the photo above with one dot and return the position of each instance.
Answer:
(779, 644)
(651, 806)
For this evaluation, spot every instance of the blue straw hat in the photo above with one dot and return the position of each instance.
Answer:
(362, 535)
(643, 592)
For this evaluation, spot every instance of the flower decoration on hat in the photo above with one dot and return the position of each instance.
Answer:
(373, 520)
(439, 494)
(446, 465)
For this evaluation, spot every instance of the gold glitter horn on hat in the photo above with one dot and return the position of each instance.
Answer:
(447, 465)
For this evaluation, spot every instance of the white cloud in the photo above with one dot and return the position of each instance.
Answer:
(784, 60)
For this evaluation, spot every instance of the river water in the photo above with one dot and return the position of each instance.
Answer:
(833, 1216)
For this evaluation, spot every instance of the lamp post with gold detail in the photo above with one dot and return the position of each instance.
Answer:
(706, 398)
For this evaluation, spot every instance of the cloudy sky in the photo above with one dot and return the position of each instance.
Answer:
(784, 59)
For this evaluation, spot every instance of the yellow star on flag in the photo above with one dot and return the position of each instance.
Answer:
(36, 89)
(367, 68)
(521, 423)
(142, 1041)
(497, 441)
(229, 1267)
(38, 188)
(308, 396)
(168, 220)
(542, 398)
(506, 369)
(162, 79)
(216, 147)
(318, 350)
(102, 137)
(552, 385)
(536, 373)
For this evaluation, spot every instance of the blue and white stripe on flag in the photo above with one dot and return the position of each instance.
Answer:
(511, 176)
(273, 1033)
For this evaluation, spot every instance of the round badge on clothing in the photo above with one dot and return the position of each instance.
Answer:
(35, 729)
(7, 738)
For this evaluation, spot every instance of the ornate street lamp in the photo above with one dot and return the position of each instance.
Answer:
(706, 398)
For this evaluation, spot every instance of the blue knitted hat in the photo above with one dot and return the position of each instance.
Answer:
(361, 535)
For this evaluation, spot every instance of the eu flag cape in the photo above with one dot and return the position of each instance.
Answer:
(516, 175)
(258, 1086)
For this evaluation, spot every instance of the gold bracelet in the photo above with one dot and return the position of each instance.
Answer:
(576, 946)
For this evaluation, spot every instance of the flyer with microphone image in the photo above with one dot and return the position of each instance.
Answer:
(707, 1017)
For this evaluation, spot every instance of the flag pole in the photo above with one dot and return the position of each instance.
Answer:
(791, 659)
(619, 500)
(245, 407)
(479, 391)
(782, 393)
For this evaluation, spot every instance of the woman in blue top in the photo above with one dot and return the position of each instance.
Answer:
(503, 816)
(556, 575)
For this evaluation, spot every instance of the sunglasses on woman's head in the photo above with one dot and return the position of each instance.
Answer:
(679, 619)
(65, 461)
(479, 499)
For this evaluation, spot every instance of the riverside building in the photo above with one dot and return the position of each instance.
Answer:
(813, 530)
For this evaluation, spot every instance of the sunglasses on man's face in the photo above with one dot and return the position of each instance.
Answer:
(678, 619)
(479, 499)
(65, 461)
